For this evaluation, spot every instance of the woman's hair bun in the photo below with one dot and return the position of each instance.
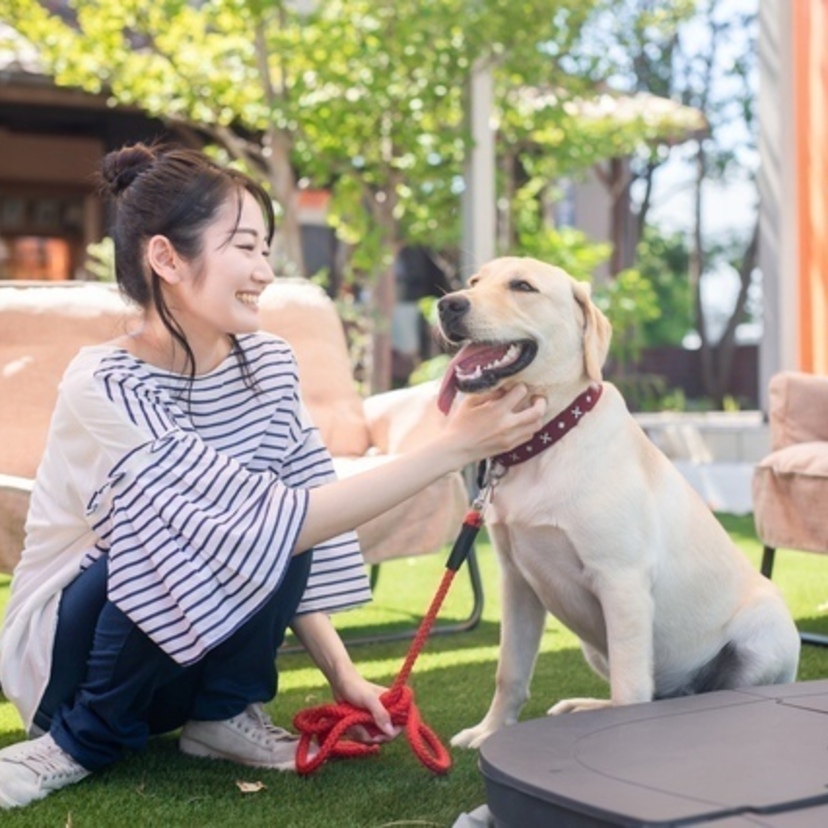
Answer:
(121, 167)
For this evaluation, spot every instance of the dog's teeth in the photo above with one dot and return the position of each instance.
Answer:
(509, 356)
(473, 375)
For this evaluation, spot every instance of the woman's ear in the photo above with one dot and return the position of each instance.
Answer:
(163, 259)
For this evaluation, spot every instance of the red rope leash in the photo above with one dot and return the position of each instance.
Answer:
(328, 723)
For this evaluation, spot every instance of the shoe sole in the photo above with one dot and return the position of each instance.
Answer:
(191, 747)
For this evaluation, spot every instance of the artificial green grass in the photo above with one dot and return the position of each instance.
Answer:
(453, 680)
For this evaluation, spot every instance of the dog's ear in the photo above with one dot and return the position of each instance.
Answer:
(597, 331)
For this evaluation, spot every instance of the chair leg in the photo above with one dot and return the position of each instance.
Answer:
(768, 554)
(468, 623)
(814, 639)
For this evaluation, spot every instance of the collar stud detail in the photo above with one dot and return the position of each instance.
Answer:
(554, 430)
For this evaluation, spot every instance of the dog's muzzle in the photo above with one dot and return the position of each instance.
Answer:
(478, 365)
(453, 310)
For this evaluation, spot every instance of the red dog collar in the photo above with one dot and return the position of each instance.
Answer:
(553, 430)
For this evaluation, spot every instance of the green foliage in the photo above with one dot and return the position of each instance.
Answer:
(564, 247)
(675, 400)
(429, 370)
(100, 260)
(663, 260)
(366, 96)
(629, 301)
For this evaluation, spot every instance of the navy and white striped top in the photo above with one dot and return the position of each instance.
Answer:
(196, 498)
(199, 520)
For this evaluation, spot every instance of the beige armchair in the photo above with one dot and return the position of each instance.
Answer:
(790, 485)
(44, 324)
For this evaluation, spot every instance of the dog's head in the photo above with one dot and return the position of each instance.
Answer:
(521, 320)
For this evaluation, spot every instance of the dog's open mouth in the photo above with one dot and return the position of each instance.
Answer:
(481, 365)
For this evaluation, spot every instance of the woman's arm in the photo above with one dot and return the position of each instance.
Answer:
(481, 426)
(321, 640)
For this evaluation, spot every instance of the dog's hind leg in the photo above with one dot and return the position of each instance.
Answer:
(521, 628)
(629, 659)
(766, 642)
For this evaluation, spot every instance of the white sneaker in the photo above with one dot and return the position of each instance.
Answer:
(250, 738)
(32, 770)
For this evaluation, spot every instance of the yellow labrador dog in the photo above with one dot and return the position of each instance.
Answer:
(593, 524)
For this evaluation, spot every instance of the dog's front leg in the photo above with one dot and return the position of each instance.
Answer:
(627, 603)
(521, 628)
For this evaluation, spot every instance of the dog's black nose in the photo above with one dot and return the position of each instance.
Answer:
(452, 308)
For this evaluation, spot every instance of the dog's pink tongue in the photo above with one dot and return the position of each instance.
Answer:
(468, 358)
(448, 389)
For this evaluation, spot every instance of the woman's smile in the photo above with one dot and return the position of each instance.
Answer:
(249, 298)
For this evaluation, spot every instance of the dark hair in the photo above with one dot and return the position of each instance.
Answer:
(170, 191)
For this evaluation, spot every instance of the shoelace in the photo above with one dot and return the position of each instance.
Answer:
(48, 761)
(263, 723)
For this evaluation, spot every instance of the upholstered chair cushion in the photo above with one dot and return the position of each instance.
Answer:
(790, 485)
(302, 314)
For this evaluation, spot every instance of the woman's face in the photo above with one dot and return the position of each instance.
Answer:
(218, 293)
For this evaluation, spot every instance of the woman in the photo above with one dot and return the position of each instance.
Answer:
(185, 511)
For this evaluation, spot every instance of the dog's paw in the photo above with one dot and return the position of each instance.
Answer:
(472, 737)
(574, 705)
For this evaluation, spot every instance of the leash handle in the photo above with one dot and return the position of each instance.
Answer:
(487, 478)
(465, 539)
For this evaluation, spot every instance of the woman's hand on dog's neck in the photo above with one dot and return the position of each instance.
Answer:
(479, 426)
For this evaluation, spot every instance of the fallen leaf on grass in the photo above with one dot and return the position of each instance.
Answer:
(250, 787)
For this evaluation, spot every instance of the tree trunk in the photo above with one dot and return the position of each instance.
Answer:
(725, 349)
(384, 298)
(288, 255)
(384, 291)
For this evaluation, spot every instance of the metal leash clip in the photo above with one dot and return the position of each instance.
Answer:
(489, 474)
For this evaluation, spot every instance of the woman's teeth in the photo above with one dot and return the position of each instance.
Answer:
(251, 299)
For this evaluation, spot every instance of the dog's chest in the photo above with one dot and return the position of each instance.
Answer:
(552, 566)
(533, 494)
(540, 544)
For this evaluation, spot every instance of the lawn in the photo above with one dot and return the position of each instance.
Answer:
(453, 681)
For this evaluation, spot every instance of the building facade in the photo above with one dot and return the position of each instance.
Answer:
(793, 113)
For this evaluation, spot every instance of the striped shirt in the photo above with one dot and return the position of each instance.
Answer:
(196, 492)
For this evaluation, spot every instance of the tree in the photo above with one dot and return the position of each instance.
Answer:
(664, 259)
(715, 160)
(702, 54)
(633, 52)
(362, 96)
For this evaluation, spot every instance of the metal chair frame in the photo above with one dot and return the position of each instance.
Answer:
(814, 639)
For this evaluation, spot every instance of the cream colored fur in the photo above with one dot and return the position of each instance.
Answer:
(602, 532)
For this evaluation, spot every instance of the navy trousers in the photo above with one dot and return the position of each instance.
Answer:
(111, 687)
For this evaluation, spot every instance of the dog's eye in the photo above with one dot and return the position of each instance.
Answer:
(522, 285)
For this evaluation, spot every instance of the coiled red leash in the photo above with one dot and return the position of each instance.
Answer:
(326, 725)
